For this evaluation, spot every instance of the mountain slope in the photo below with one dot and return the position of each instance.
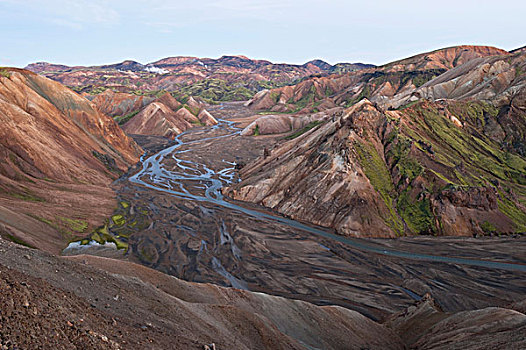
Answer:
(134, 307)
(52, 136)
(224, 79)
(48, 128)
(119, 104)
(387, 173)
(167, 117)
(446, 58)
(377, 84)
(426, 326)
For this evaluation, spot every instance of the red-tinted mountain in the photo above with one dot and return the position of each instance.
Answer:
(444, 58)
(225, 78)
(51, 136)
(167, 117)
(449, 161)
(432, 168)
(118, 104)
(376, 84)
(495, 78)
(41, 67)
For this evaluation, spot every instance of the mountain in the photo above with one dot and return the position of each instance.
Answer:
(446, 58)
(495, 78)
(426, 326)
(376, 84)
(118, 104)
(167, 117)
(224, 79)
(54, 143)
(451, 161)
(40, 67)
(129, 65)
(100, 303)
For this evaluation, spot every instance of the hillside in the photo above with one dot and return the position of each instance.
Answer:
(448, 161)
(102, 303)
(58, 152)
(426, 169)
(228, 78)
(118, 105)
(376, 84)
(167, 117)
(98, 303)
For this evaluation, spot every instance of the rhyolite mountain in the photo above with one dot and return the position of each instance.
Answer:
(168, 117)
(374, 83)
(433, 144)
(142, 115)
(228, 78)
(58, 155)
(449, 160)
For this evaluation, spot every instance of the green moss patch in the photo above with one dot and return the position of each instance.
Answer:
(120, 226)
(417, 213)
(510, 209)
(5, 73)
(121, 120)
(376, 171)
(118, 220)
(76, 225)
(303, 130)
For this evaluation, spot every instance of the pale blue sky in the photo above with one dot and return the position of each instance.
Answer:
(89, 32)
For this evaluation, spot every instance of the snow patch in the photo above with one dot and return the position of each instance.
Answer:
(157, 70)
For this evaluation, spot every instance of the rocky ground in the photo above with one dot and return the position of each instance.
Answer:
(206, 242)
(388, 302)
(88, 302)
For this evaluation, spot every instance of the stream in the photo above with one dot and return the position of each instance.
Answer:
(195, 181)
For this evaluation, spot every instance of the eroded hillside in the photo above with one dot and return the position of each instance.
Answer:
(57, 153)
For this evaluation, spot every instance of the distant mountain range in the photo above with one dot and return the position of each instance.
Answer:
(432, 144)
(227, 78)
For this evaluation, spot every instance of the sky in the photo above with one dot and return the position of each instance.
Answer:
(93, 32)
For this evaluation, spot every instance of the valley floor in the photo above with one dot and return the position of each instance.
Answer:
(190, 232)
(175, 220)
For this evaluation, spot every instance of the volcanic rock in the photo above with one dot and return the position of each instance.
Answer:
(368, 173)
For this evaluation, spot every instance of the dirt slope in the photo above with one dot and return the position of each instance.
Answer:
(427, 169)
(167, 117)
(57, 153)
(379, 84)
(133, 307)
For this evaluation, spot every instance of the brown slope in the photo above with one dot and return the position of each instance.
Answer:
(377, 84)
(41, 67)
(157, 119)
(427, 169)
(495, 79)
(54, 142)
(53, 131)
(139, 308)
(206, 118)
(446, 58)
(115, 104)
(167, 117)
(168, 100)
(498, 81)
(314, 178)
(426, 326)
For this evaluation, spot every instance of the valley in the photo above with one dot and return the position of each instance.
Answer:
(253, 205)
(190, 230)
